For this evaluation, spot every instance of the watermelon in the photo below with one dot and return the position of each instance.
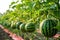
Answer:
(6, 24)
(30, 27)
(13, 25)
(17, 24)
(22, 27)
(48, 27)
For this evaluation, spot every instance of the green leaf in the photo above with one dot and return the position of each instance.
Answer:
(12, 3)
(57, 14)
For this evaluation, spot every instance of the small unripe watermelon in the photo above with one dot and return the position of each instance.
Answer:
(6, 24)
(22, 27)
(18, 24)
(30, 27)
(48, 27)
(13, 25)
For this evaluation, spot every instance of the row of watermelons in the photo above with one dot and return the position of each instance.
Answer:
(24, 27)
(47, 27)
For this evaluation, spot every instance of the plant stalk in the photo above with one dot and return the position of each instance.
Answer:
(47, 38)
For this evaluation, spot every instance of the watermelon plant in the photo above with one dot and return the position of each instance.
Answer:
(37, 10)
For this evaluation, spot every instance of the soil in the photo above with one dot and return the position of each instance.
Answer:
(4, 35)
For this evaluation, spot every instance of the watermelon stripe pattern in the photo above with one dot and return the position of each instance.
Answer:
(22, 27)
(18, 24)
(48, 28)
(29, 27)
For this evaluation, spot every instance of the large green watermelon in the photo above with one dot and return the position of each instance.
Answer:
(48, 27)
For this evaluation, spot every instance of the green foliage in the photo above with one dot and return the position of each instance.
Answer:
(27, 11)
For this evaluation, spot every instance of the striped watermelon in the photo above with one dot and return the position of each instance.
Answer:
(30, 27)
(18, 24)
(48, 27)
(22, 27)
